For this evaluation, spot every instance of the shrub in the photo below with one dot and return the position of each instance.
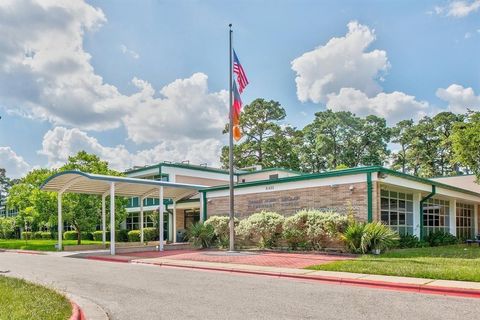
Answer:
(263, 227)
(121, 236)
(134, 236)
(45, 235)
(97, 235)
(7, 228)
(201, 235)
(87, 236)
(27, 235)
(360, 237)
(70, 235)
(440, 238)
(322, 227)
(409, 241)
(150, 234)
(295, 230)
(37, 235)
(221, 229)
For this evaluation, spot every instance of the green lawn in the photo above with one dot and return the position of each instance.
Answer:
(24, 300)
(458, 262)
(41, 245)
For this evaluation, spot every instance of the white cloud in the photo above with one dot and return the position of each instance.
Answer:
(60, 143)
(43, 68)
(130, 52)
(341, 62)
(458, 8)
(459, 98)
(393, 106)
(468, 35)
(186, 109)
(14, 164)
(46, 74)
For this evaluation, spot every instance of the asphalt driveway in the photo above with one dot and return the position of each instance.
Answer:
(132, 291)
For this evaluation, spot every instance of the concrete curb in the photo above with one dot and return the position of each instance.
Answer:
(23, 251)
(447, 291)
(89, 309)
(77, 313)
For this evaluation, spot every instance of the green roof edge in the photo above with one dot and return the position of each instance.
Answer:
(343, 172)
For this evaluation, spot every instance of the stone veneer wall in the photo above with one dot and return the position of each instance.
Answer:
(336, 198)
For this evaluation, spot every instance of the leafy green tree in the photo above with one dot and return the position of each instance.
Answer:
(82, 211)
(265, 141)
(38, 208)
(402, 134)
(341, 138)
(465, 141)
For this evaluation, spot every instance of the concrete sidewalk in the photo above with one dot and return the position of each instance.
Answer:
(443, 287)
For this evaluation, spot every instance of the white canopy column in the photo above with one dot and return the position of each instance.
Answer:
(112, 218)
(60, 222)
(141, 220)
(174, 223)
(104, 220)
(160, 212)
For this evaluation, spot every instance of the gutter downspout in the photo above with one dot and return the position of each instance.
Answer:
(369, 197)
(434, 191)
(204, 198)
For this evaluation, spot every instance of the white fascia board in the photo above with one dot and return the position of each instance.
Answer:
(301, 184)
(458, 195)
(195, 173)
(406, 183)
(143, 173)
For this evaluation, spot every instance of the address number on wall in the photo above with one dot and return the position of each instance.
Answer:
(270, 188)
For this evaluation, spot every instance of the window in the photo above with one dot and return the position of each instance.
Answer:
(133, 220)
(464, 220)
(436, 215)
(397, 210)
(191, 217)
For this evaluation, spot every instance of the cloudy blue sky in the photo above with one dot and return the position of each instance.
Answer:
(137, 82)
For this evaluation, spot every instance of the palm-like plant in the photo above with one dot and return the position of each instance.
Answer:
(378, 236)
(201, 235)
(353, 235)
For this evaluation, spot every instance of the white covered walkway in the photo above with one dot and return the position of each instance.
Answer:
(103, 185)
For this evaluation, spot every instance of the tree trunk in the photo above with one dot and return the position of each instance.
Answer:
(79, 237)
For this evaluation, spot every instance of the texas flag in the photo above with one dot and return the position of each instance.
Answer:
(236, 110)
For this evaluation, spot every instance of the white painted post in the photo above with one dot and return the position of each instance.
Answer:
(475, 219)
(104, 223)
(160, 212)
(417, 197)
(112, 218)
(60, 222)
(174, 218)
(141, 220)
(453, 217)
(202, 206)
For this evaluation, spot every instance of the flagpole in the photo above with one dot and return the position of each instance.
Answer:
(230, 149)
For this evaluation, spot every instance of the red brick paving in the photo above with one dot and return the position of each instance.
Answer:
(271, 259)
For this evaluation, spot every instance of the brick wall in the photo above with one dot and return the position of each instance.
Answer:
(336, 198)
(180, 221)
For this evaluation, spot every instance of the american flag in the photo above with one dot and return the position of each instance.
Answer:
(238, 70)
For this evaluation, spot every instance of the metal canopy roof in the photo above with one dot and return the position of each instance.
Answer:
(96, 184)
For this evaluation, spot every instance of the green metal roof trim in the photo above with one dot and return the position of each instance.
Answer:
(121, 179)
(271, 169)
(178, 165)
(343, 172)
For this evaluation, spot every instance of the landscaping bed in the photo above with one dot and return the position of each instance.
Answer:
(23, 300)
(456, 262)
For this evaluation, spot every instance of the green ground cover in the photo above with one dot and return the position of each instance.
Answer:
(24, 300)
(40, 245)
(457, 262)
